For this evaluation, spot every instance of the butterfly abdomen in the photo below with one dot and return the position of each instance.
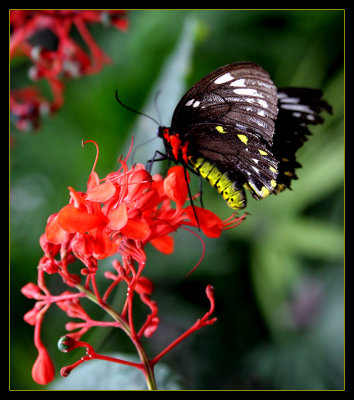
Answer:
(234, 196)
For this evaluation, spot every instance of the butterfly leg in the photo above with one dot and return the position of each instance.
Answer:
(150, 163)
(201, 191)
(190, 195)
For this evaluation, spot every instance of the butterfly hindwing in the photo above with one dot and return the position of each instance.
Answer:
(298, 108)
(242, 156)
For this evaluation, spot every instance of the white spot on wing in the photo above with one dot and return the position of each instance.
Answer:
(238, 82)
(190, 102)
(298, 107)
(262, 103)
(224, 78)
(248, 92)
(196, 104)
(293, 100)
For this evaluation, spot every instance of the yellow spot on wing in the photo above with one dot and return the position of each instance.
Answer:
(220, 129)
(262, 152)
(261, 194)
(264, 192)
(243, 138)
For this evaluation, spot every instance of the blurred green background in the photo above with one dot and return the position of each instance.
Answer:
(278, 277)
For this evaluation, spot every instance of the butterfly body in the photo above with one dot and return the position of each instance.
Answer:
(237, 130)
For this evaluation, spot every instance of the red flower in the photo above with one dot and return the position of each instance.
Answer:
(127, 205)
(67, 60)
(120, 213)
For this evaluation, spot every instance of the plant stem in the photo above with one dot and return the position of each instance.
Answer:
(146, 365)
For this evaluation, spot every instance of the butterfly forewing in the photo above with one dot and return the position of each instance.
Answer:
(240, 94)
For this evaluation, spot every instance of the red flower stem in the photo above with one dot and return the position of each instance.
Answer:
(99, 56)
(130, 296)
(146, 323)
(146, 364)
(204, 321)
(116, 360)
(110, 288)
(198, 325)
(95, 290)
(97, 152)
(91, 354)
(37, 329)
(90, 323)
(62, 297)
(131, 285)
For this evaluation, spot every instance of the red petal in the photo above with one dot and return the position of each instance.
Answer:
(102, 193)
(175, 185)
(93, 181)
(118, 217)
(209, 223)
(54, 232)
(138, 183)
(74, 219)
(164, 244)
(136, 229)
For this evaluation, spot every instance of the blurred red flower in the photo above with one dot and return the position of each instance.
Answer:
(45, 38)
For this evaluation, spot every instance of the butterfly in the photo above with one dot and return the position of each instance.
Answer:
(236, 130)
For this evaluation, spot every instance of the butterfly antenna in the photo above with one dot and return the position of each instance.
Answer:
(142, 144)
(155, 104)
(135, 111)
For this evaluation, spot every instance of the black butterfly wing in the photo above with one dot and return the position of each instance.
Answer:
(237, 138)
(298, 108)
(235, 156)
(238, 94)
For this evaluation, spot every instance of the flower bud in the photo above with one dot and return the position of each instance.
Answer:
(43, 369)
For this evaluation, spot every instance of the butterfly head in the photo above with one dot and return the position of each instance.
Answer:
(175, 148)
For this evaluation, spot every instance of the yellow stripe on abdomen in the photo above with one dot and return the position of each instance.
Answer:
(235, 198)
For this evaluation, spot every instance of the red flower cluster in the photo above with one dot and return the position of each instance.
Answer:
(67, 60)
(121, 214)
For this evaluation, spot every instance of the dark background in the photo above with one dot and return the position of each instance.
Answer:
(278, 277)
